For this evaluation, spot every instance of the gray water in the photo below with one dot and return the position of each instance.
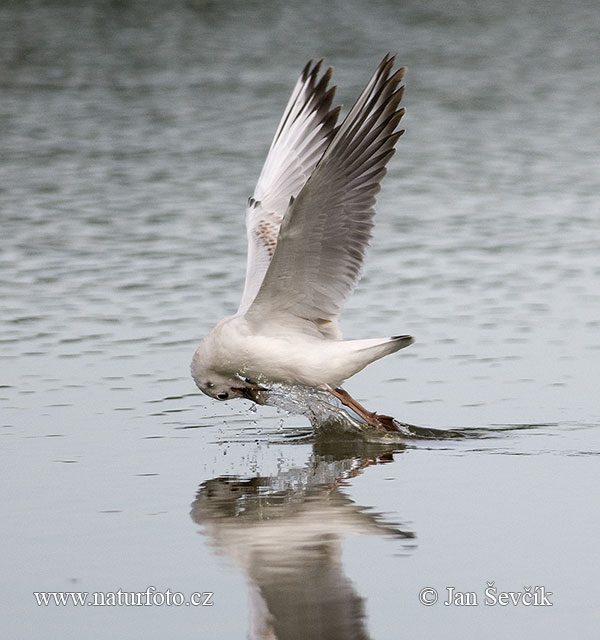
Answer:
(131, 136)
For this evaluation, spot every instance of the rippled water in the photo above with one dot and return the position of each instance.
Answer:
(131, 136)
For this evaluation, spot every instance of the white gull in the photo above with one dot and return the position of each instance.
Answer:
(308, 225)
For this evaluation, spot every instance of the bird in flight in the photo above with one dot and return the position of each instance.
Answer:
(308, 226)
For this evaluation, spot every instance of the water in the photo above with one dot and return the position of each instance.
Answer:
(131, 136)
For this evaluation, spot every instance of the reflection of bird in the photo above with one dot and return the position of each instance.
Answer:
(308, 225)
(285, 532)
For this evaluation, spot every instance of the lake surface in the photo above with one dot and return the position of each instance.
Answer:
(131, 136)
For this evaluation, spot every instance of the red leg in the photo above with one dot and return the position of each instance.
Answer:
(379, 421)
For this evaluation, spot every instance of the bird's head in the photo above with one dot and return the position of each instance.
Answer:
(220, 386)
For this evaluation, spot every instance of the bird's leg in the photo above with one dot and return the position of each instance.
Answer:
(379, 421)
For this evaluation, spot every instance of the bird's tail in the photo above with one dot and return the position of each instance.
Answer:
(400, 342)
(360, 353)
(379, 347)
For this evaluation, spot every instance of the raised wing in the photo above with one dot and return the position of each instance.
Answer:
(326, 229)
(303, 134)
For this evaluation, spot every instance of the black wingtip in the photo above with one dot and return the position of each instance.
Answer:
(306, 70)
(316, 68)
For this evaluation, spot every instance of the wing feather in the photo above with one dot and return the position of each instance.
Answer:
(326, 229)
(302, 135)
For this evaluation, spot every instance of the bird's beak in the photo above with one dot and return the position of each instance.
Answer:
(251, 392)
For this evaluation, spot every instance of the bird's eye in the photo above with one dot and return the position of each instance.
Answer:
(222, 396)
(209, 385)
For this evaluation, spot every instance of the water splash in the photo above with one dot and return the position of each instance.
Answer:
(328, 416)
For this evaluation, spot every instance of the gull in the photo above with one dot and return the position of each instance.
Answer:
(308, 226)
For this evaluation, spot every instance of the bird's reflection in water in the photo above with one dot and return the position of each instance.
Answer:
(285, 532)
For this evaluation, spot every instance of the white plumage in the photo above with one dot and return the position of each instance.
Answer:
(308, 225)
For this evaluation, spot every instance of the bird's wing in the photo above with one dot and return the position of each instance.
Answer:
(326, 229)
(304, 132)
